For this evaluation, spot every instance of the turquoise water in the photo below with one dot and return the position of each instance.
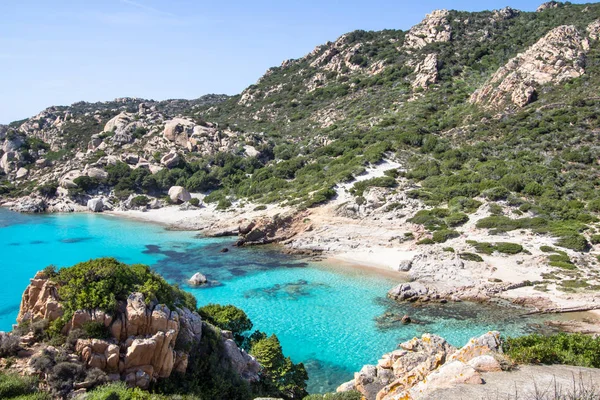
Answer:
(331, 318)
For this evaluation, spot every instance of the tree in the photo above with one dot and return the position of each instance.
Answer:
(227, 317)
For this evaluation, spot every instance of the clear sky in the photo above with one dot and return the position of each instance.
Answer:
(57, 52)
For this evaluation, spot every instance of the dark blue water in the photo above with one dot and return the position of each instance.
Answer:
(332, 318)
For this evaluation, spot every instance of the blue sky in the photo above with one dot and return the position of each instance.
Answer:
(62, 51)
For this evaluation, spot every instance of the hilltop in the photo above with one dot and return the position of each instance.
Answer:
(463, 151)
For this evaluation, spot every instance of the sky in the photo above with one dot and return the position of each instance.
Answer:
(62, 51)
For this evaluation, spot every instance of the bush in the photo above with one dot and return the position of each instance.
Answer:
(470, 257)
(140, 201)
(570, 349)
(351, 395)
(63, 376)
(456, 219)
(426, 241)
(443, 235)
(574, 242)
(227, 317)
(86, 183)
(9, 344)
(359, 187)
(13, 385)
(280, 375)
(48, 189)
(96, 330)
(194, 201)
(497, 193)
(103, 282)
(508, 248)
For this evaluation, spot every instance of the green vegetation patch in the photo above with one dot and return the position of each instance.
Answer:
(570, 349)
(500, 247)
(103, 282)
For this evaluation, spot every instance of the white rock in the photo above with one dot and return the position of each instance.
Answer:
(22, 173)
(95, 205)
(198, 279)
(179, 193)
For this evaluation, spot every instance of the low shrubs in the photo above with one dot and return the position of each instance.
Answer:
(500, 247)
(103, 282)
(351, 395)
(9, 344)
(470, 257)
(570, 349)
(444, 235)
(14, 386)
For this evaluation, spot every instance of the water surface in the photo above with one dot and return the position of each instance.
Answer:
(334, 319)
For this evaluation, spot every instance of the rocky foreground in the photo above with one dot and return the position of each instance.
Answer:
(430, 368)
(145, 342)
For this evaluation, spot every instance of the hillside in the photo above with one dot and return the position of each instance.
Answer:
(469, 142)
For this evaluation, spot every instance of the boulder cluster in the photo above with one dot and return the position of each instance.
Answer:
(423, 365)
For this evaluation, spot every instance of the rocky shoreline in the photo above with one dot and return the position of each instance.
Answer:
(326, 233)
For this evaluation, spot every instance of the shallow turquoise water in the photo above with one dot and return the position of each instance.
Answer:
(325, 317)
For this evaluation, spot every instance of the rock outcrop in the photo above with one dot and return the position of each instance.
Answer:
(434, 28)
(148, 341)
(555, 58)
(198, 279)
(426, 72)
(421, 366)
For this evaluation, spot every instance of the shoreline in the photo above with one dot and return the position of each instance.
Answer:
(346, 244)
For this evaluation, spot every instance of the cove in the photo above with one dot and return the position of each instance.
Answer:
(334, 319)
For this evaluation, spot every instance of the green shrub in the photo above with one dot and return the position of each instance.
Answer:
(227, 317)
(223, 204)
(359, 187)
(48, 189)
(140, 201)
(351, 395)
(13, 385)
(508, 248)
(443, 235)
(195, 201)
(280, 374)
(86, 183)
(96, 330)
(496, 193)
(456, 219)
(431, 219)
(464, 204)
(103, 282)
(262, 207)
(426, 241)
(470, 257)
(574, 242)
(570, 349)
(547, 249)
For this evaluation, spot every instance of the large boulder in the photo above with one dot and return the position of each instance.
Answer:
(22, 173)
(8, 161)
(95, 205)
(171, 160)
(178, 131)
(179, 194)
(97, 173)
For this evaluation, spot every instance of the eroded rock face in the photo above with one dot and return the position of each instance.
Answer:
(434, 28)
(40, 300)
(421, 366)
(426, 72)
(593, 30)
(143, 337)
(555, 58)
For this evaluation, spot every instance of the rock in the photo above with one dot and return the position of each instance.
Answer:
(555, 58)
(40, 300)
(434, 28)
(8, 161)
(198, 279)
(155, 204)
(97, 173)
(409, 291)
(13, 144)
(446, 376)
(22, 173)
(131, 159)
(242, 363)
(179, 194)
(29, 204)
(484, 344)
(426, 72)
(548, 5)
(593, 30)
(405, 320)
(245, 228)
(224, 250)
(405, 265)
(95, 205)
(485, 363)
(171, 160)
(178, 130)
(346, 386)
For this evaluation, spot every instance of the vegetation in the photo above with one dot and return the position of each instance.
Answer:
(103, 282)
(13, 386)
(562, 348)
(227, 317)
